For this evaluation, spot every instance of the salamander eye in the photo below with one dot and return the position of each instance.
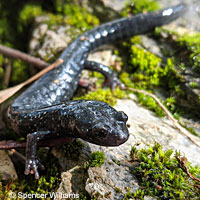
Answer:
(100, 133)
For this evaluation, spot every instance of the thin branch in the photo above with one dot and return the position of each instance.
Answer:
(8, 70)
(169, 115)
(8, 188)
(13, 151)
(183, 163)
(23, 56)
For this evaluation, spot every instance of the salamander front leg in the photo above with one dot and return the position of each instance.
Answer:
(31, 147)
(111, 77)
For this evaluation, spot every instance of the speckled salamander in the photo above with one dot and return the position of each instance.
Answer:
(44, 110)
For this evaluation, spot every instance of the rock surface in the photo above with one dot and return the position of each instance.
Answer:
(7, 169)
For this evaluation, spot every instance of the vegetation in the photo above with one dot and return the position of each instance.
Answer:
(140, 6)
(96, 159)
(73, 149)
(161, 175)
(48, 182)
(106, 95)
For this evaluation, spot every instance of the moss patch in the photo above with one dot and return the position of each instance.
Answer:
(140, 6)
(190, 44)
(74, 16)
(160, 175)
(19, 72)
(150, 103)
(105, 95)
(48, 182)
(96, 159)
(73, 150)
(147, 72)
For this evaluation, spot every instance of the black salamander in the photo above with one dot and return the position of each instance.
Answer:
(45, 110)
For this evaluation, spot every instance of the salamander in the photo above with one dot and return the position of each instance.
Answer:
(45, 109)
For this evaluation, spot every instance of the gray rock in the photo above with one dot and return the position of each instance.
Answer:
(115, 4)
(7, 169)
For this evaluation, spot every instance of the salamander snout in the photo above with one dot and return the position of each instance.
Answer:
(121, 138)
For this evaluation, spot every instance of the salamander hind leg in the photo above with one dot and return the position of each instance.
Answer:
(111, 77)
(32, 162)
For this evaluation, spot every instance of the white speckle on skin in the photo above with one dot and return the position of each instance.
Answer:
(58, 92)
(167, 12)
(98, 35)
(104, 33)
(91, 39)
(112, 30)
(53, 96)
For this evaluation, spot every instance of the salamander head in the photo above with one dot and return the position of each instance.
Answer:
(99, 123)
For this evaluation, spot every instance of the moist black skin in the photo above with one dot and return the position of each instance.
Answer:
(45, 109)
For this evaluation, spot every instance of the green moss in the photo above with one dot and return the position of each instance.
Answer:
(170, 78)
(118, 93)
(118, 190)
(146, 66)
(193, 84)
(150, 103)
(190, 42)
(170, 103)
(191, 130)
(5, 34)
(160, 175)
(116, 161)
(1, 60)
(48, 182)
(96, 159)
(73, 149)
(80, 17)
(29, 12)
(105, 95)
(19, 72)
(125, 78)
(147, 71)
(75, 16)
(136, 40)
(140, 6)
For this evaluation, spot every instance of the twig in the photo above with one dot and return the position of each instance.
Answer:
(183, 163)
(11, 144)
(169, 115)
(13, 151)
(8, 188)
(8, 70)
(7, 93)
(23, 56)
